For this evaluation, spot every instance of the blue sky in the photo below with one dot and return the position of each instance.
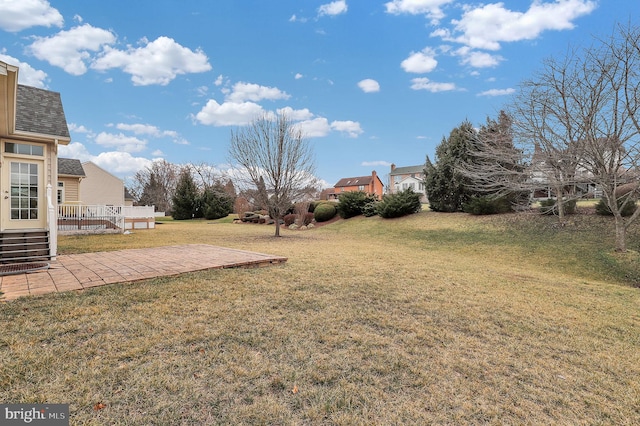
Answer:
(370, 82)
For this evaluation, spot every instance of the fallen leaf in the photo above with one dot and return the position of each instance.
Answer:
(295, 389)
(99, 406)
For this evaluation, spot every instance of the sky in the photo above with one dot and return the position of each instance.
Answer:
(370, 83)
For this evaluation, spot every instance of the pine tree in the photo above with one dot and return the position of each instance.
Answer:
(446, 188)
(185, 200)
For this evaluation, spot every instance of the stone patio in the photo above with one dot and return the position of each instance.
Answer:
(86, 270)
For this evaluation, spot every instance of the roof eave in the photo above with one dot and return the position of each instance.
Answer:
(62, 140)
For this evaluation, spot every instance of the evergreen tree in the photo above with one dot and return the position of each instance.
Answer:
(447, 189)
(216, 203)
(185, 199)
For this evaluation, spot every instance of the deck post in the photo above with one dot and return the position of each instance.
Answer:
(52, 223)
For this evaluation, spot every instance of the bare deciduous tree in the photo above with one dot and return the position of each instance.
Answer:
(577, 122)
(608, 91)
(273, 152)
(155, 185)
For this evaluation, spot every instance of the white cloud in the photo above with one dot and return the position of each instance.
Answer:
(120, 163)
(27, 75)
(20, 14)
(121, 142)
(334, 8)
(296, 114)
(228, 113)
(295, 18)
(116, 162)
(477, 59)
(430, 8)
(78, 128)
(70, 50)
(431, 86)
(219, 80)
(298, 76)
(508, 26)
(369, 85)
(253, 92)
(139, 129)
(497, 92)
(375, 163)
(351, 128)
(157, 62)
(148, 129)
(420, 62)
(314, 128)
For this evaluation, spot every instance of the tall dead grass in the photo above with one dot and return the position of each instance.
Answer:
(431, 319)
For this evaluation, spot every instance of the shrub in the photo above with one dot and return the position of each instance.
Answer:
(308, 218)
(352, 203)
(289, 219)
(324, 212)
(549, 207)
(400, 204)
(626, 210)
(487, 205)
(370, 209)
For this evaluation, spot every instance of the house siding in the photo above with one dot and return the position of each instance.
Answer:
(71, 189)
(100, 187)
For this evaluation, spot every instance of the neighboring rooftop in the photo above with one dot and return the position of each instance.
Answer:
(71, 167)
(40, 111)
(353, 181)
(406, 170)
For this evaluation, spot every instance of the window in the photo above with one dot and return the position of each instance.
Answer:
(23, 149)
(361, 188)
(60, 192)
(24, 190)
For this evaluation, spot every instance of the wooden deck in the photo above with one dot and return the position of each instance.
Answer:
(82, 271)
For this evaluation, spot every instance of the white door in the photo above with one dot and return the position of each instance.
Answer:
(23, 203)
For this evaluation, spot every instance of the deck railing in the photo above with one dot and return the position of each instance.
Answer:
(101, 218)
(89, 218)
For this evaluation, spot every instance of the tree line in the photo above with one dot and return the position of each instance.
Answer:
(573, 127)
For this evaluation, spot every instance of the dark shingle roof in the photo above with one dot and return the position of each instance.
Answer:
(40, 111)
(69, 166)
(407, 170)
(353, 181)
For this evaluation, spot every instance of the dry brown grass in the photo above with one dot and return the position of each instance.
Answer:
(431, 319)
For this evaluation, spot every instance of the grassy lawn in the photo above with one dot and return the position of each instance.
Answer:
(433, 318)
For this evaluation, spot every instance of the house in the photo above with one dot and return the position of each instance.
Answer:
(32, 125)
(101, 203)
(369, 184)
(402, 178)
(70, 173)
(100, 187)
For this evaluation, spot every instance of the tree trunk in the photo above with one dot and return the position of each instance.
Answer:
(621, 233)
(277, 226)
(560, 204)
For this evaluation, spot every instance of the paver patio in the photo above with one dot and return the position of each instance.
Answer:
(86, 270)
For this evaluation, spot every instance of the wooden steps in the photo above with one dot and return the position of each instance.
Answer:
(24, 246)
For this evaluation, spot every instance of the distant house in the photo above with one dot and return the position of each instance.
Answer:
(100, 187)
(70, 173)
(369, 184)
(402, 178)
(94, 200)
(32, 125)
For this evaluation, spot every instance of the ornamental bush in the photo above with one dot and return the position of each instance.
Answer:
(487, 205)
(626, 210)
(549, 207)
(352, 203)
(324, 212)
(289, 219)
(400, 204)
